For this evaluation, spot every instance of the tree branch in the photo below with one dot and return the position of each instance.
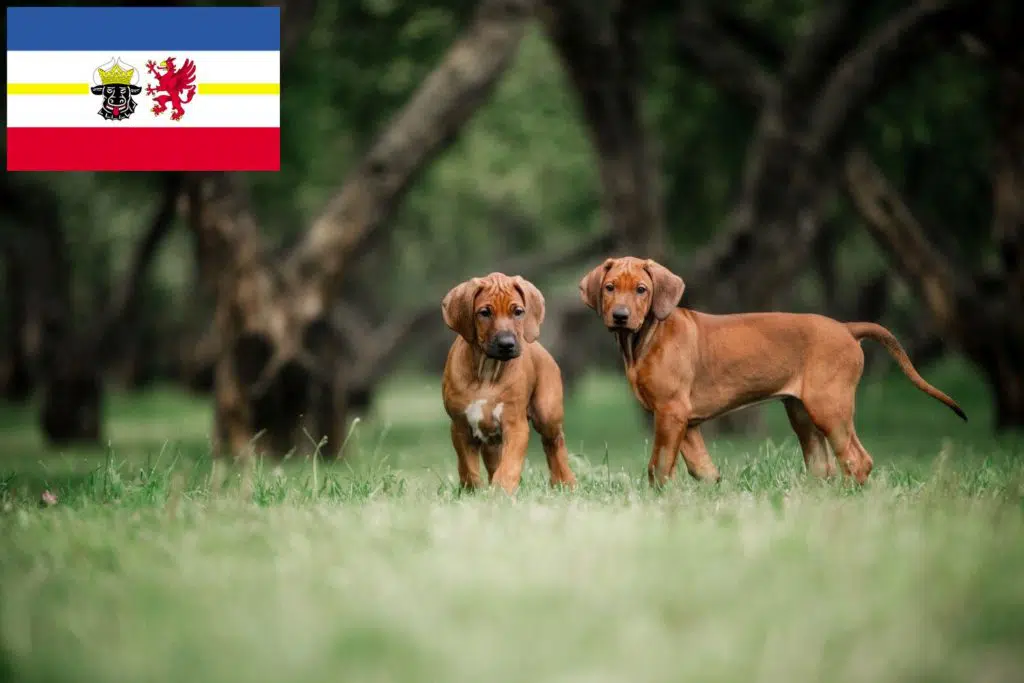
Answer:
(544, 261)
(1008, 165)
(730, 68)
(810, 61)
(777, 214)
(227, 236)
(740, 30)
(427, 125)
(599, 52)
(124, 303)
(381, 347)
(233, 260)
(17, 380)
(868, 69)
(36, 209)
(296, 18)
(376, 351)
(102, 341)
(898, 233)
(734, 70)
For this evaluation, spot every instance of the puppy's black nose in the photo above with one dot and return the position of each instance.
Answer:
(620, 315)
(506, 343)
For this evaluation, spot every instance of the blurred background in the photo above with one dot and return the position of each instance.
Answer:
(864, 160)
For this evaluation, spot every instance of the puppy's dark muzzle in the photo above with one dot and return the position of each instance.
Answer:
(503, 346)
(620, 316)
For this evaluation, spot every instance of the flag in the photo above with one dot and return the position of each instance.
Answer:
(143, 89)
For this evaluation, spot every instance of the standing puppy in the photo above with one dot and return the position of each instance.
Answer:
(687, 367)
(498, 379)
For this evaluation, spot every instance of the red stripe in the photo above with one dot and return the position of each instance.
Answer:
(143, 149)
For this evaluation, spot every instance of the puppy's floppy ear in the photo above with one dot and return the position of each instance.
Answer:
(590, 285)
(457, 308)
(534, 301)
(668, 289)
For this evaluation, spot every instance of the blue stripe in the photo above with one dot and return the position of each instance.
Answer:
(160, 29)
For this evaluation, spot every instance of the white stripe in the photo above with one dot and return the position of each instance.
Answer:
(81, 111)
(78, 67)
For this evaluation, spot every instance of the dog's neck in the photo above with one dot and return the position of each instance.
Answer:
(487, 370)
(632, 345)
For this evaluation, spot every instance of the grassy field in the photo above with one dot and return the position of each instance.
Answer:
(156, 566)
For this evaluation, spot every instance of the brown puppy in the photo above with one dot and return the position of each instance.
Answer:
(687, 367)
(498, 379)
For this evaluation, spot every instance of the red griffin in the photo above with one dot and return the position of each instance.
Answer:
(173, 82)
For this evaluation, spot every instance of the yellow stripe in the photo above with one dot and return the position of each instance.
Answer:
(47, 89)
(239, 88)
(83, 88)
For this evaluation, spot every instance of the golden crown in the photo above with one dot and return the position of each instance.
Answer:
(115, 75)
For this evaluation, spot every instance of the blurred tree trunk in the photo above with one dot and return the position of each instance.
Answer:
(598, 46)
(825, 82)
(600, 53)
(71, 362)
(70, 391)
(18, 379)
(980, 311)
(276, 362)
(1005, 363)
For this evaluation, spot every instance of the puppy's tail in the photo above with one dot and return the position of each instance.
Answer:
(895, 349)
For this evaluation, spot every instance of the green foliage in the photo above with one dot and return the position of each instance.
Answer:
(522, 176)
(933, 137)
(359, 65)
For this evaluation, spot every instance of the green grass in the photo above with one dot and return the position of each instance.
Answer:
(157, 566)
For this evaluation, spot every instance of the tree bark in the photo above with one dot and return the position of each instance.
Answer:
(277, 360)
(71, 362)
(599, 51)
(805, 114)
(978, 312)
(70, 391)
(421, 130)
(1006, 361)
(18, 376)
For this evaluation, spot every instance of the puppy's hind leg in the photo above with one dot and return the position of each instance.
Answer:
(836, 420)
(817, 458)
(557, 454)
(829, 393)
(547, 415)
(698, 460)
(867, 463)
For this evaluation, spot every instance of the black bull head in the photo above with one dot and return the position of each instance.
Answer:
(118, 103)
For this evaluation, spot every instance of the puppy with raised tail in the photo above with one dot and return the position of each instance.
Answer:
(498, 379)
(687, 367)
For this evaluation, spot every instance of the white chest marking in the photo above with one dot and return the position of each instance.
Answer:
(475, 413)
(484, 427)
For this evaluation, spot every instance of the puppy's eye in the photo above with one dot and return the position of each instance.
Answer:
(519, 312)
(609, 287)
(484, 313)
(640, 289)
